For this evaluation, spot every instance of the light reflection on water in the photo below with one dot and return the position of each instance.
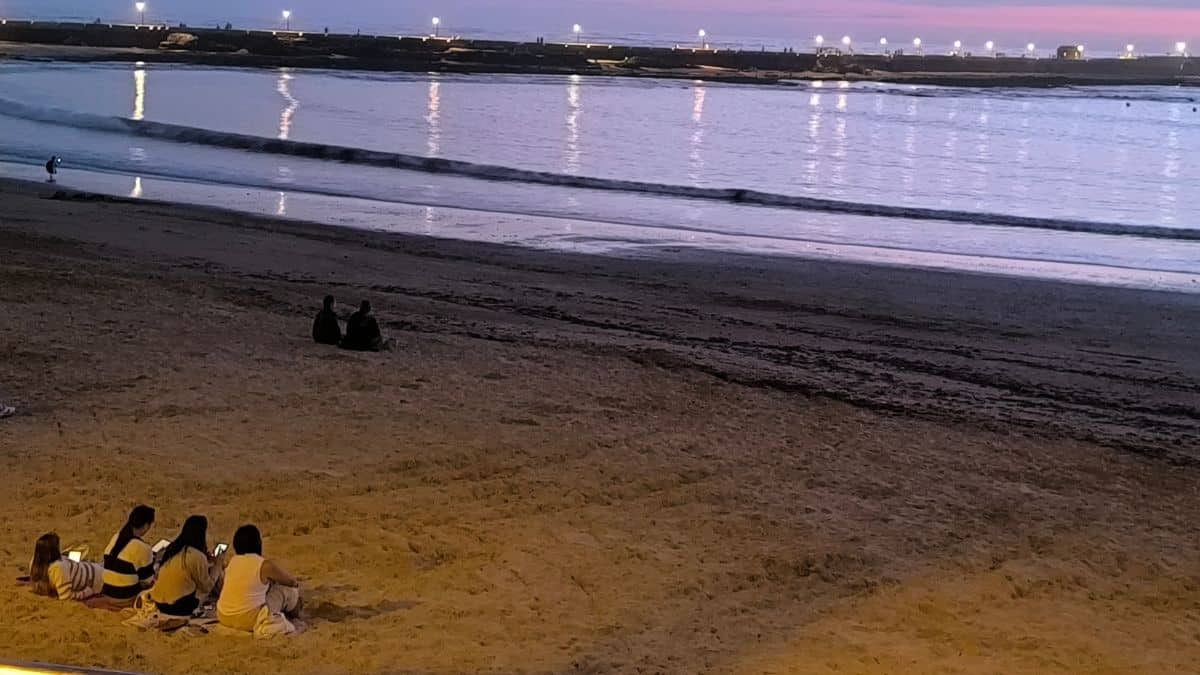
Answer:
(696, 156)
(433, 118)
(139, 94)
(573, 153)
(284, 87)
(1028, 152)
(1082, 154)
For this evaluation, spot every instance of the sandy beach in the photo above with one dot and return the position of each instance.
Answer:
(682, 464)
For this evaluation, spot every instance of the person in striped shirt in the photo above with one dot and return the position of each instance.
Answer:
(54, 576)
(128, 561)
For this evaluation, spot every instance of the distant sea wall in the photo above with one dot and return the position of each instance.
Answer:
(259, 47)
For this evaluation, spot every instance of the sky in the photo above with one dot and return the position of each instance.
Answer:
(1154, 25)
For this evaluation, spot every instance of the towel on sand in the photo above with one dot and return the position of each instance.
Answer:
(145, 615)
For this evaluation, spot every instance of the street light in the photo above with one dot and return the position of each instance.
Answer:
(1181, 47)
(141, 10)
(883, 42)
(577, 29)
(436, 23)
(287, 19)
(991, 46)
(703, 35)
(1129, 50)
(1031, 48)
(820, 40)
(917, 45)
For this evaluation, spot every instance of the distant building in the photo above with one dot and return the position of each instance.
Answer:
(1070, 52)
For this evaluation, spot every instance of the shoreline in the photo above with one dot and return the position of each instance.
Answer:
(1030, 268)
(598, 236)
(725, 464)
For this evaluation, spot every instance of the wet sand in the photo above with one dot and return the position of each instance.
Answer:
(585, 464)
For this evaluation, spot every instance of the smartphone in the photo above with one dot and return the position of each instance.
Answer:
(160, 546)
(75, 556)
(221, 548)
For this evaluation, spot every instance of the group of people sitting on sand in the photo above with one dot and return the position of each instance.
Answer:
(362, 330)
(173, 582)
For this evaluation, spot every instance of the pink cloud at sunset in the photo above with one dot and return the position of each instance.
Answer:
(1166, 22)
(1125, 20)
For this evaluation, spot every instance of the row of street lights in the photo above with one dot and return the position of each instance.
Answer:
(990, 45)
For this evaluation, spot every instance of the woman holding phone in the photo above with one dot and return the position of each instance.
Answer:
(187, 573)
(54, 576)
(128, 561)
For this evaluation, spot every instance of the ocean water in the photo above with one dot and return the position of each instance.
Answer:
(1093, 184)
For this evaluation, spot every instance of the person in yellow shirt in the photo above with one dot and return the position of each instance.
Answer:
(187, 573)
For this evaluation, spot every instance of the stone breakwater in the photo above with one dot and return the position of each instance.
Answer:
(265, 48)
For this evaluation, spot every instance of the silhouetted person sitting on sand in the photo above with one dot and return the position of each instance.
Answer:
(326, 329)
(362, 331)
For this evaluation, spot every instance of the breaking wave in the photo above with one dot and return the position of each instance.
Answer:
(350, 155)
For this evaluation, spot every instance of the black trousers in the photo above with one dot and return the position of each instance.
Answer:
(182, 607)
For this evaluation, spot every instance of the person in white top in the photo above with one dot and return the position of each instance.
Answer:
(253, 582)
(54, 576)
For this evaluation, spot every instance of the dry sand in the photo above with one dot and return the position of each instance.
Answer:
(582, 464)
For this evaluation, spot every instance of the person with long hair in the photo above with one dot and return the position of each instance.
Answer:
(186, 574)
(55, 576)
(253, 583)
(129, 561)
(326, 330)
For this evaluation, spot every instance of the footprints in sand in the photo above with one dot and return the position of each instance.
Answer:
(334, 613)
(520, 421)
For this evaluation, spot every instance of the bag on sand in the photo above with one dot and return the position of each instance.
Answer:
(145, 613)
